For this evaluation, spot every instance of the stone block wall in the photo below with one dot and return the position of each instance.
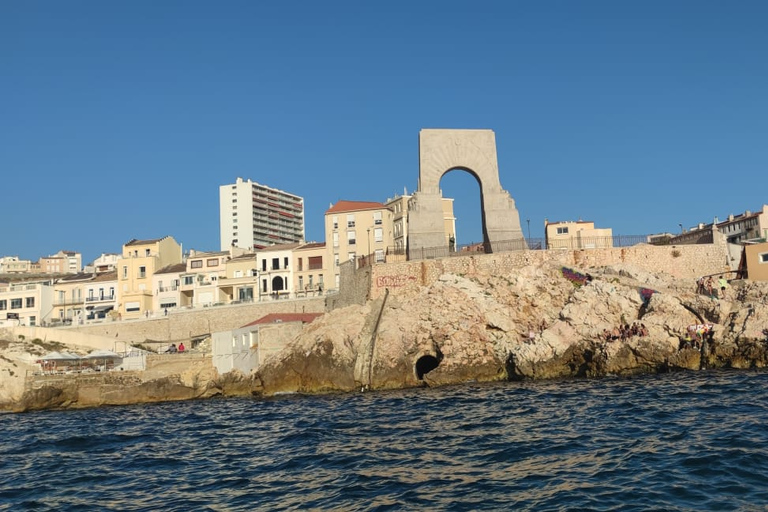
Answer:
(684, 261)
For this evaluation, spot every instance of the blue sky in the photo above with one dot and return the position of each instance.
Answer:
(120, 120)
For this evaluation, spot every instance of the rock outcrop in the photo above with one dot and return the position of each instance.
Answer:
(532, 324)
(537, 322)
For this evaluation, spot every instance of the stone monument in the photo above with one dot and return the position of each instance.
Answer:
(472, 151)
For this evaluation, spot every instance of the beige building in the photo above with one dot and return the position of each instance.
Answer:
(576, 235)
(756, 258)
(69, 298)
(13, 265)
(399, 207)
(310, 261)
(26, 303)
(100, 295)
(166, 282)
(354, 229)
(241, 282)
(138, 263)
(275, 266)
(200, 282)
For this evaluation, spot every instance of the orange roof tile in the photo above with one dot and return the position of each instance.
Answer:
(352, 206)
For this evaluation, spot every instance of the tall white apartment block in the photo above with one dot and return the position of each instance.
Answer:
(254, 216)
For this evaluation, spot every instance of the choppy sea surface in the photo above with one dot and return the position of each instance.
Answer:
(686, 441)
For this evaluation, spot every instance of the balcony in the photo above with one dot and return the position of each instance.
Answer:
(100, 298)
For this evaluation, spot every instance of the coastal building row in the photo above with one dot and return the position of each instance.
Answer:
(63, 262)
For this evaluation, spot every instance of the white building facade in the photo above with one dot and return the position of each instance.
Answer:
(254, 216)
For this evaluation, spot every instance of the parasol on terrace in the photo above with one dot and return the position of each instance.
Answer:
(104, 355)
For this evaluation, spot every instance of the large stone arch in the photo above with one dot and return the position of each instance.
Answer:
(473, 151)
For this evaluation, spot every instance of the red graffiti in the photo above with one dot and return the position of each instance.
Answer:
(393, 281)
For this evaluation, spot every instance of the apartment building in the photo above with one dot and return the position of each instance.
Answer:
(576, 235)
(107, 262)
(399, 207)
(100, 295)
(13, 265)
(27, 303)
(241, 283)
(357, 228)
(310, 269)
(275, 269)
(166, 282)
(138, 263)
(254, 216)
(200, 281)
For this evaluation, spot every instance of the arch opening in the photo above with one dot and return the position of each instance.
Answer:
(425, 364)
(277, 284)
(467, 226)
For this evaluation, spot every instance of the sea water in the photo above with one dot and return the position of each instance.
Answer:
(684, 441)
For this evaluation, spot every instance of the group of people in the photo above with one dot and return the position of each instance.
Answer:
(706, 285)
(174, 349)
(625, 331)
(696, 334)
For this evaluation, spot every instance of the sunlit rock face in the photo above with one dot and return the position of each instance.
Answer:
(535, 323)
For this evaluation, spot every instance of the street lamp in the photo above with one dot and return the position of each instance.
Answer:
(681, 228)
(529, 228)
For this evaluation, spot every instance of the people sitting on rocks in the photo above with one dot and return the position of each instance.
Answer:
(625, 331)
(172, 349)
(181, 347)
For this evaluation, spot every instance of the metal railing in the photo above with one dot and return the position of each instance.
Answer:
(393, 254)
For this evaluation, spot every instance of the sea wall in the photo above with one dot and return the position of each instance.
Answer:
(186, 324)
(681, 262)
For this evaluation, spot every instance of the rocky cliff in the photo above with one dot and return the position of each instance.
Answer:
(539, 322)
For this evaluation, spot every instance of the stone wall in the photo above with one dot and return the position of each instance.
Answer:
(66, 336)
(683, 261)
(186, 324)
(354, 286)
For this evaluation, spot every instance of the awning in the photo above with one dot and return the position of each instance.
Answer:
(102, 309)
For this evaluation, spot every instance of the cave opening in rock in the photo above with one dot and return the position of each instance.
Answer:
(424, 365)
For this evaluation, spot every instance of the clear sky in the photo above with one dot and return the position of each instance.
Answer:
(120, 120)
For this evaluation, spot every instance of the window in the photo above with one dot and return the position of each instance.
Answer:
(238, 273)
(301, 282)
(562, 231)
(350, 221)
(275, 263)
(764, 257)
(311, 282)
(196, 264)
(377, 218)
(132, 306)
(142, 272)
(285, 262)
(112, 291)
(3, 305)
(213, 262)
(32, 321)
(264, 265)
(335, 260)
(15, 303)
(264, 286)
(30, 301)
(315, 262)
(351, 256)
(146, 252)
(90, 294)
(125, 272)
(335, 239)
(320, 280)
(335, 222)
(351, 237)
(378, 235)
(379, 256)
(189, 280)
(301, 264)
